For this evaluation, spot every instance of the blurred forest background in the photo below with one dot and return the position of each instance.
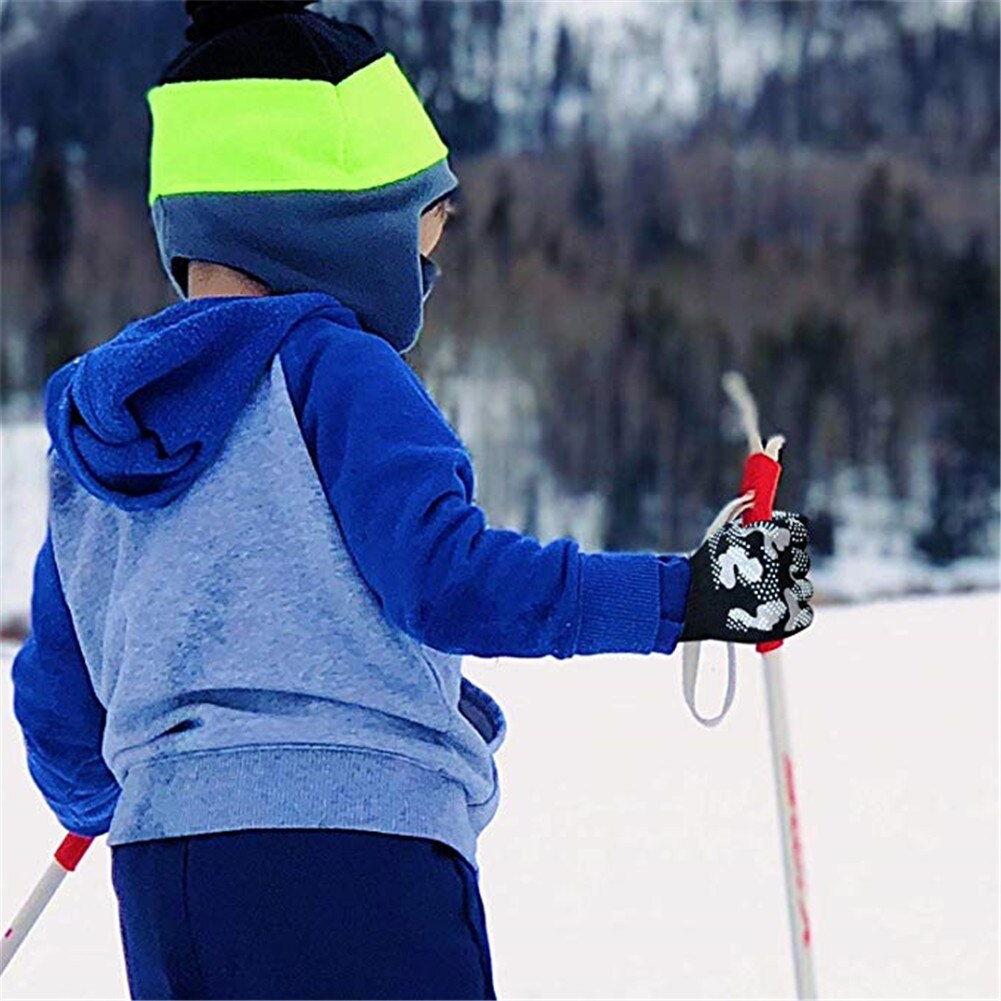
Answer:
(652, 193)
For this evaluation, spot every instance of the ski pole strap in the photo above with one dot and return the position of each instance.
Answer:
(690, 674)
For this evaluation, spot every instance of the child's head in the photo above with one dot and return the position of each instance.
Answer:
(290, 146)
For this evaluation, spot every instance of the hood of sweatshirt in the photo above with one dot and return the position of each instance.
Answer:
(137, 419)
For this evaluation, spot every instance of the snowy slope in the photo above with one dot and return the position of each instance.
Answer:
(23, 507)
(635, 854)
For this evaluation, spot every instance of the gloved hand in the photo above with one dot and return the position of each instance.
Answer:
(749, 583)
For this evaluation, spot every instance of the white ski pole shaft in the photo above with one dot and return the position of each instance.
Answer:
(792, 845)
(761, 476)
(65, 860)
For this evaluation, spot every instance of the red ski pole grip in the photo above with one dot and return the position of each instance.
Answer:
(761, 474)
(71, 850)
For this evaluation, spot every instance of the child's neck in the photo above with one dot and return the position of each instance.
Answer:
(206, 278)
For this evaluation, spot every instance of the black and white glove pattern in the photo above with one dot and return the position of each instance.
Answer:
(749, 582)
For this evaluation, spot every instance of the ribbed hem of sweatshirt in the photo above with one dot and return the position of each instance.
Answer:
(675, 580)
(620, 603)
(291, 785)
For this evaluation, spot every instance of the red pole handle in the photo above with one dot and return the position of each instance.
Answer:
(761, 474)
(71, 849)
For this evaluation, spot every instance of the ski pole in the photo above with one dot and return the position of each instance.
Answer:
(66, 858)
(761, 474)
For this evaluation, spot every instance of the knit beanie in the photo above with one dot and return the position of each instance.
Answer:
(291, 146)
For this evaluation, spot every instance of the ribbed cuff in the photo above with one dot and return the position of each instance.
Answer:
(620, 603)
(675, 580)
(90, 819)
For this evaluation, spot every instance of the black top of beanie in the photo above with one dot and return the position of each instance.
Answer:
(269, 39)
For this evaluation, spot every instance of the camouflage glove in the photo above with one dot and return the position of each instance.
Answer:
(749, 582)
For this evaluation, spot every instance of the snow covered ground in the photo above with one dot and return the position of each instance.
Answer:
(635, 854)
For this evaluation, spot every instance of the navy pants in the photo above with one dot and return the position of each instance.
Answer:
(293, 913)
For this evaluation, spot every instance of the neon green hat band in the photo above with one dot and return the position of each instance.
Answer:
(213, 136)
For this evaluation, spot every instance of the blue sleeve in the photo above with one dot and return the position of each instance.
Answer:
(61, 719)
(400, 483)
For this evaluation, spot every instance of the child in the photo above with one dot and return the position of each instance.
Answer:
(264, 563)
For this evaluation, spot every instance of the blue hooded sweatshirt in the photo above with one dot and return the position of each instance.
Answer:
(263, 564)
